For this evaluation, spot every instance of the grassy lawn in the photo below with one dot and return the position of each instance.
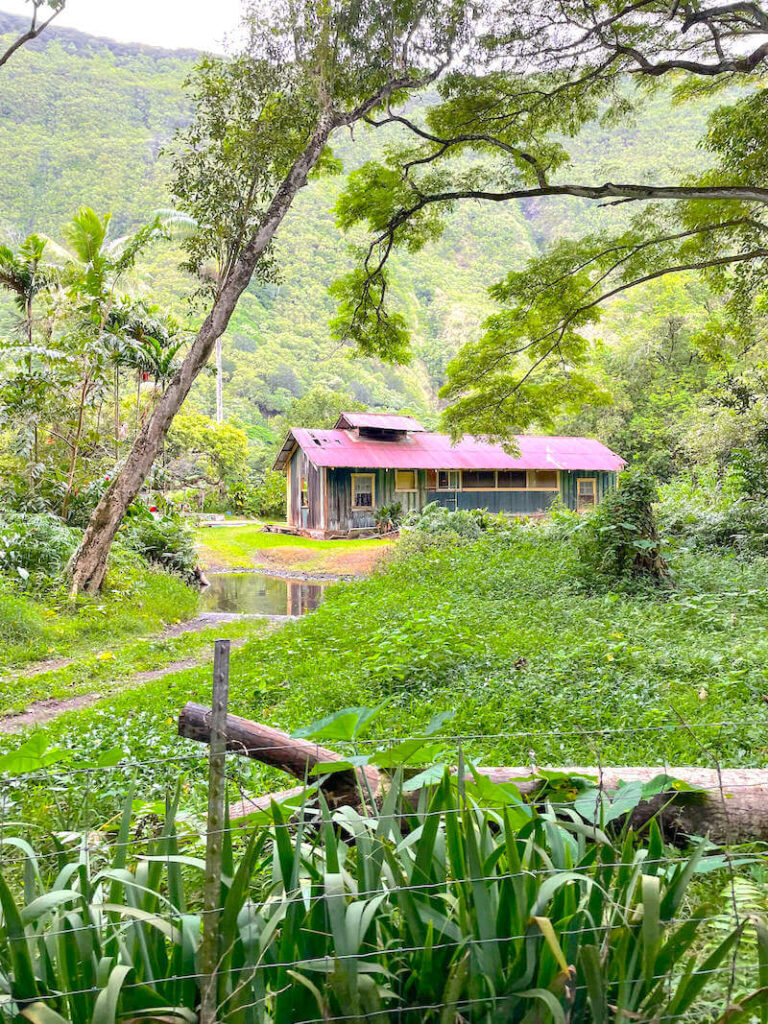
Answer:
(535, 662)
(231, 547)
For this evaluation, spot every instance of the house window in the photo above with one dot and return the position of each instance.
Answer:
(447, 480)
(405, 479)
(512, 479)
(542, 479)
(586, 493)
(478, 480)
(304, 493)
(362, 490)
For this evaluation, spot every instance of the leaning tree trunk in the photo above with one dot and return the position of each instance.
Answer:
(219, 384)
(88, 565)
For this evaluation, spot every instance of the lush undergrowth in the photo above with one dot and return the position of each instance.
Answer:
(137, 600)
(536, 662)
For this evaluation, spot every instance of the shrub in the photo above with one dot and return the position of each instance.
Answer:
(269, 497)
(83, 501)
(702, 511)
(165, 540)
(460, 525)
(34, 548)
(436, 519)
(389, 517)
(620, 537)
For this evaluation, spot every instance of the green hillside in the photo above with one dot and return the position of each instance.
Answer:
(85, 121)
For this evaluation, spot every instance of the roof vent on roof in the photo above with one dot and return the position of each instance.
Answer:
(382, 426)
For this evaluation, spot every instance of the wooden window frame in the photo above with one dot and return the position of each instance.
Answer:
(492, 488)
(407, 490)
(364, 508)
(550, 489)
(587, 479)
(457, 473)
(303, 491)
(517, 490)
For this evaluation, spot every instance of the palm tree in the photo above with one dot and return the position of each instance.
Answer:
(25, 275)
(93, 268)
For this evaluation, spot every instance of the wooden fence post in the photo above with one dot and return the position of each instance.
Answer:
(209, 950)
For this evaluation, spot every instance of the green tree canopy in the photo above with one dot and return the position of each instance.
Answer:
(501, 132)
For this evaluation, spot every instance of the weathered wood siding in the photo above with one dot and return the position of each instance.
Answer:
(514, 502)
(527, 502)
(604, 483)
(311, 518)
(330, 495)
(342, 516)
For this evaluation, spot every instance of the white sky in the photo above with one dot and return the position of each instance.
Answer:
(200, 24)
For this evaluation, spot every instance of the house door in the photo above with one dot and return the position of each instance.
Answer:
(304, 502)
(586, 494)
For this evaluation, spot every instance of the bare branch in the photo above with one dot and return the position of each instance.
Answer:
(630, 192)
(457, 140)
(32, 32)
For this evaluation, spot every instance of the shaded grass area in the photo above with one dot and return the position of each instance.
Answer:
(106, 670)
(136, 600)
(536, 663)
(231, 547)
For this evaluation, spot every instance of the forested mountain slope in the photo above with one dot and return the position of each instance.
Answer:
(85, 120)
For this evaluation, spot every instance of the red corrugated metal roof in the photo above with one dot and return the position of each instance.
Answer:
(378, 421)
(344, 448)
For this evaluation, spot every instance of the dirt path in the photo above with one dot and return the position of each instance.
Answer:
(42, 711)
(347, 565)
(203, 621)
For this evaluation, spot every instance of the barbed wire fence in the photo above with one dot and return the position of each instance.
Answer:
(396, 904)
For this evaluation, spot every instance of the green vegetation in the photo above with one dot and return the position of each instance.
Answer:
(513, 906)
(278, 348)
(105, 671)
(512, 634)
(621, 536)
(136, 601)
(631, 635)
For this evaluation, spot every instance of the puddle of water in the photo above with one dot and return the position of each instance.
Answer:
(250, 593)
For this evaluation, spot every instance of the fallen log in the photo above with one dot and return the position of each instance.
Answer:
(729, 805)
(297, 757)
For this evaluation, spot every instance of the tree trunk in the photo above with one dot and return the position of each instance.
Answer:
(88, 564)
(75, 449)
(219, 385)
(729, 805)
(279, 750)
(117, 411)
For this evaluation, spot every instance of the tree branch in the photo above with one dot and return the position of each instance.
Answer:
(457, 140)
(632, 193)
(32, 32)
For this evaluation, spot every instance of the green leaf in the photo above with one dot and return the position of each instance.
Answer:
(47, 902)
(105, 1008)
(42, 1013)
(346, 724)
(24, 983)
(553, 1004)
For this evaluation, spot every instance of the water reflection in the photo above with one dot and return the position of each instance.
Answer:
(250, 593)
